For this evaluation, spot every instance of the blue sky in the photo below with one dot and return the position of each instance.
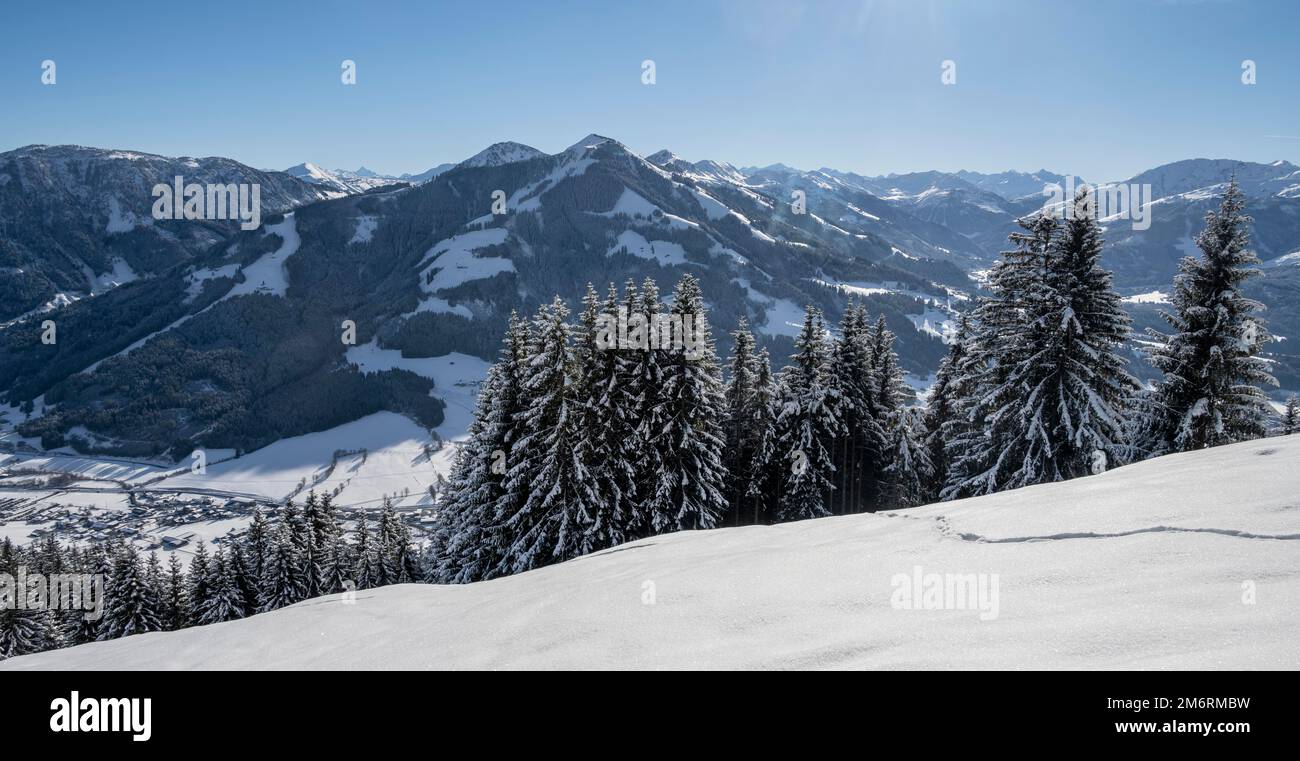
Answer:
(1101, 88)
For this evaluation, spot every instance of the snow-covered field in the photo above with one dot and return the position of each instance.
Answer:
(1189, 561)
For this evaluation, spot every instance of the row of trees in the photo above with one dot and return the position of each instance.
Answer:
(576, 447)
(304, 553)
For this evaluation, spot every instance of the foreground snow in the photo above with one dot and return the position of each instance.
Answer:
(1144, 567)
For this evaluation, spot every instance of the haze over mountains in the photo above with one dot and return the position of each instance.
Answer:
(199, 333)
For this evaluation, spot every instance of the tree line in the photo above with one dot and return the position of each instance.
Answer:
(305, 552)
(576, 447)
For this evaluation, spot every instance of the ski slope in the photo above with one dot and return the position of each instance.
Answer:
(1188, 561)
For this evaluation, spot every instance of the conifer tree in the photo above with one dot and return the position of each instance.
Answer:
(175, 596)
(861, 447)
(550, 462)
(282, 575)
(689, 492)
(198, 582)
(950, 388)
(764, 477)
(1289, 422)
(365, 575)
(806, 426)
(132, 605)
(225, 601)
(988, 444)
(909, 469)
(21, 631)
(1210, 393)
(605, 424)
(741, 430)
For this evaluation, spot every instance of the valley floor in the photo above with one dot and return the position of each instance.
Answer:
(1188, 561)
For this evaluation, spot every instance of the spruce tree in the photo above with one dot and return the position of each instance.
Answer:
(949, 390)
(741, 430)
(862, 447)
(987, 444)
(764, 475)
(605, 425)
(806, 427)
(642, 383)
(1210, 393)
(282, 576)
(550, 461)
(909, 471)
(689, 492)
(1075, 386)
(225, 602)
(365, 574)
(1289, 422)
(133, 606)
(22, 630)
(175, 596)
(468, 541)
(198, 582)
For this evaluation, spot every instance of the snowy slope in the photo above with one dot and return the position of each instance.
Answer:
(1142, 567)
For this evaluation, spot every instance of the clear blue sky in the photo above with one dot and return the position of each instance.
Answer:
(1103, 88)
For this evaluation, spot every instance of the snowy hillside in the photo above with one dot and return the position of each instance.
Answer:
(1187, 561)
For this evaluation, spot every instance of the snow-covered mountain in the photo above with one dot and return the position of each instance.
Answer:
(428, 272)
(499, 154)
(361, 180)
(78, 221)
(340, 180)
(1185, 562)
(1013, 185)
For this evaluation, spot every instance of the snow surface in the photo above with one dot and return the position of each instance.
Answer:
(267, 274)
(666, 253)
(455, 263)
(1139, 568)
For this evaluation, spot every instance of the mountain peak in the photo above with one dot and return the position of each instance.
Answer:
(663, 157)
(591, 141)
(498, 154)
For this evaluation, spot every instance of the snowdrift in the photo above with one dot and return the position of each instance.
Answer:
(1188, 561)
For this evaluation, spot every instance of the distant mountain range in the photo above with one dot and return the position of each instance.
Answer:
(173, 333)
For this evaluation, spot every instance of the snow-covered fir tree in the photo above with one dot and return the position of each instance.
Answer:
(364, 573)
(549, 462)
(1209, 394)
(22, 631)
(641, 377)
(606, 417)
(132, 606)
(887, 375)
(1289, 422)
(468, 540)
(806, 426)
(1075, 385)
(689, 491)
(197, 580)
(175, 596)
(987, 438)
(909, 470)
(750, 429)
(225, 601)
(282, 574)
(941, 408)
(861, 445)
